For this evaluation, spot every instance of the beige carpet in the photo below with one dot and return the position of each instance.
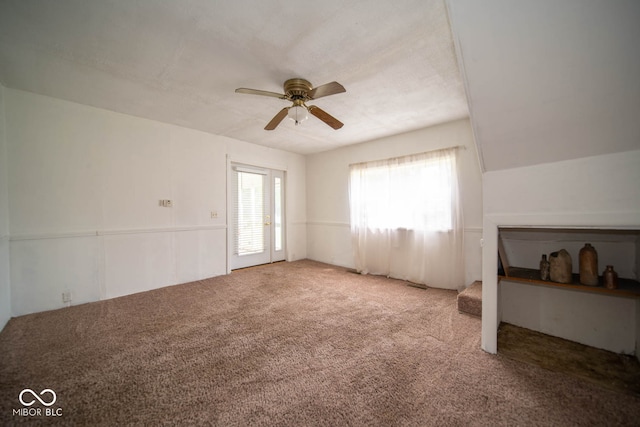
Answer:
(299, 344)
(618, 372)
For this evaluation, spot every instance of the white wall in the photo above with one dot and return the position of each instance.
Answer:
(328, 230)
(5, 290)
(84, 191)
(592, 192)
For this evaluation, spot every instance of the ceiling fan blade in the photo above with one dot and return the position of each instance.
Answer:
(326, 90)
(277, 119)
(260, 92)
(325, 117)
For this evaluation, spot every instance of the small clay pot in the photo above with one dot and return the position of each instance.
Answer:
(610, 278)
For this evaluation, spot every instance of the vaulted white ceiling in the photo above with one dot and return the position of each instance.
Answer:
(545, 80)
(179, 62)
(550, 80)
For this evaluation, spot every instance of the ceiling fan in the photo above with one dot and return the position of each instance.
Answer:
(299, 91)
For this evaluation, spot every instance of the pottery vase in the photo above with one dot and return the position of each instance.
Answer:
(560, 266)
(610, 278)
(544, 268)
(588, 265)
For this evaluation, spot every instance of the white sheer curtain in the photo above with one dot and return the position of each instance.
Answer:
(406, 218)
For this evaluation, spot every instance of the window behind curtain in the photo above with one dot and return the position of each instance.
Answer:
(413, 192)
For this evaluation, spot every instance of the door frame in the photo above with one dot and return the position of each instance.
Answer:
(229, 201)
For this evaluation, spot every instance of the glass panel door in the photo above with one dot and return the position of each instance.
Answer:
(257, 216)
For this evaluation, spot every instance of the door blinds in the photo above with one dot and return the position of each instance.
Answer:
(249, 209)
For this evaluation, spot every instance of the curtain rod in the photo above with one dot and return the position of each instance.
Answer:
(463, 147)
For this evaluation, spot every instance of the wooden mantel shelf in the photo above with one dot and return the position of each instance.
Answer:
(627, 288)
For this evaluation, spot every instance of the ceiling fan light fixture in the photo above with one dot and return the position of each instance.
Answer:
(298, 91)
(298, 114)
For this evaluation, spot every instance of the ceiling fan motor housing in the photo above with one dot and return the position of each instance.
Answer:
(297, 89)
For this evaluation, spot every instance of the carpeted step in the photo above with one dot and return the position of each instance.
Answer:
(470, 300)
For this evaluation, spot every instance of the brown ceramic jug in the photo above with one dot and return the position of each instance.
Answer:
(588, 265)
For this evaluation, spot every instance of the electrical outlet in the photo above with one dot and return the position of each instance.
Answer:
(66, 296)
(166, 203)
(214, 214)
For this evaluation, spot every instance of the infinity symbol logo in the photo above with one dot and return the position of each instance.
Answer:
(46, 390)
